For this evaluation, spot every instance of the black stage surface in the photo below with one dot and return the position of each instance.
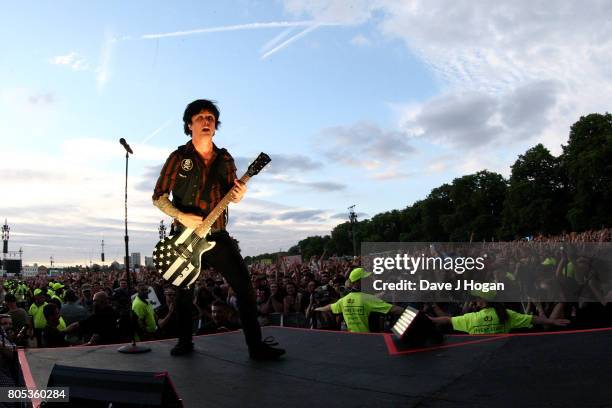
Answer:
(334, 369)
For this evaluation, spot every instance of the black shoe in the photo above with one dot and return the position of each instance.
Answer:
(265, 350)
(181, 349)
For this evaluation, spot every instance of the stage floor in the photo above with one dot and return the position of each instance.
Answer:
(335, 369)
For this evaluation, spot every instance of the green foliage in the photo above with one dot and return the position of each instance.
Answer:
(587, 161)
(312, 246)
(536, 202)
(476, 204)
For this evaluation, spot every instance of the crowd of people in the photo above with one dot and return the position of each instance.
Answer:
(96, 307)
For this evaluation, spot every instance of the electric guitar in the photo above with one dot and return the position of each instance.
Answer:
(177, 257)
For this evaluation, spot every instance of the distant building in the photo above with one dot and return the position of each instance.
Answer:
(136, 260)
(29, 270)
(149, 262)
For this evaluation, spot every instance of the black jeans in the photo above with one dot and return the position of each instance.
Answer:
(226, 259)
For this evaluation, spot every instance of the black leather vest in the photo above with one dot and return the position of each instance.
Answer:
(188, 182)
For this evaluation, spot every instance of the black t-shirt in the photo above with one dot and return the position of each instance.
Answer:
(171, 329)
(52, 337)
(104, 324)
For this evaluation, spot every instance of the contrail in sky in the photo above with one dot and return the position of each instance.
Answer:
(156, 131)
(290, 40)
(250, 26)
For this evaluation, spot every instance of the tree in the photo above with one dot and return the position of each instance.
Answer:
(587, 160)
(477, 202)
(536, 202)
(341, 242)
(314, 245)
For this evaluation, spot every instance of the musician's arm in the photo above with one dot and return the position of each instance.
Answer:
(161, 193)
(165, 205)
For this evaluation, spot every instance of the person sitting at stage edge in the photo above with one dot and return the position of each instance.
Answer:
(167, 318)
(144, 311)
(357, 306)
(220, 320)
(494, 318)
(102, 323)
(54, 330)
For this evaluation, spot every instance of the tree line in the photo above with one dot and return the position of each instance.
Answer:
(544, 195)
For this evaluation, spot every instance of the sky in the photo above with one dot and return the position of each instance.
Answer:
(365, 103)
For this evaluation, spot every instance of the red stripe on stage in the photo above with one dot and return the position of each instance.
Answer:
(538, 333)
(27, 375)
(480, 338)
(393, 351)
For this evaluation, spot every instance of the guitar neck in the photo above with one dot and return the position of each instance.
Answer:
(218, 210)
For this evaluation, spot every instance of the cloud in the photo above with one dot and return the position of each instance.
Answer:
(72, 60)
(521, 51)
(320, 186)
(76, 243)
(283, 164)
(255, 217)
(149, 178)
(391, 175)
(302, 216)
(366, 146)
(103, 71)
(476, 119)
(346, 12)
(457, 120)
(527, 106)
(361, 40)
(18, 175)
(42, 99)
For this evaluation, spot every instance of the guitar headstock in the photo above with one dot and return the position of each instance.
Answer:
(259, 163)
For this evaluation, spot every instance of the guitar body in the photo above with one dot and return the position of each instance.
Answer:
(177, 257)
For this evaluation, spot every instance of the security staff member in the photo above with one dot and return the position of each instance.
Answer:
(356, 306)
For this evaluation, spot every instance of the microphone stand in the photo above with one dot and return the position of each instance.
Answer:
(129, 348)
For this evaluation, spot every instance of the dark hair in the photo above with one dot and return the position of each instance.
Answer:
(49, 310)
(70, 296)
(10, 297)
(500, 310)
(196, 107)
(56, 302)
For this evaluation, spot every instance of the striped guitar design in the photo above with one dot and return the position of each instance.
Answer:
(177, 257)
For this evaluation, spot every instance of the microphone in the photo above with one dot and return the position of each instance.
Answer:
(126, 146)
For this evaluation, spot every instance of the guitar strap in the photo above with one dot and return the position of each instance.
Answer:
(216, 174)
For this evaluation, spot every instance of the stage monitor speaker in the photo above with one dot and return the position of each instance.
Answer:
(414, 329)
(92, 388)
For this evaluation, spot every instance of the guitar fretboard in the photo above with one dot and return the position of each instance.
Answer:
(218, 210)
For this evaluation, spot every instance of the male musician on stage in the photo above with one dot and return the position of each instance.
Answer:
(198, 175)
